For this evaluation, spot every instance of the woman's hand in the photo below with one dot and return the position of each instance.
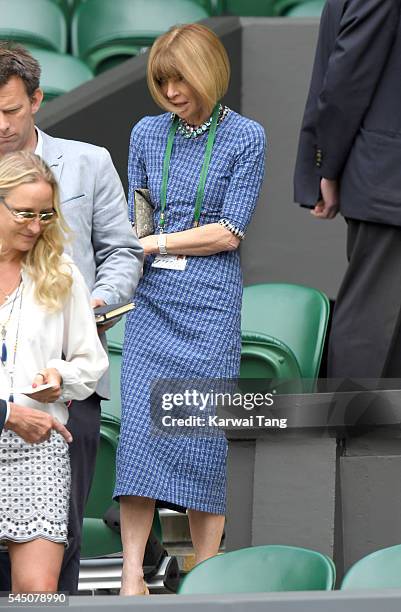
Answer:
(149, 244)
(47, 376)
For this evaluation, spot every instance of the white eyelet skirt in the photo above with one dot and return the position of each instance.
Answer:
(35, 482)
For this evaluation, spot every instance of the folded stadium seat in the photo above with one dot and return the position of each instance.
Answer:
(40, 23)
(60, 72)
(379, 570)
(268, 359)
(105, 33)
(244, 8)
(293, 314)
(312, 8)
(261, 569)
(101, 558)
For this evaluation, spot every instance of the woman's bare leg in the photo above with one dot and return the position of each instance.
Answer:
(136, 515)
(35, 566)
(206, 533)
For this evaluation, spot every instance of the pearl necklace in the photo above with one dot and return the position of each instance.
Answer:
(192, 131)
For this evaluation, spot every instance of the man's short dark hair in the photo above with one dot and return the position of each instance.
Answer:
(17, 61)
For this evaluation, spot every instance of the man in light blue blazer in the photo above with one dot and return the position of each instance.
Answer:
(102, 244)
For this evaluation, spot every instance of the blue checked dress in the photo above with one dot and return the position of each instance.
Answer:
(186, 324)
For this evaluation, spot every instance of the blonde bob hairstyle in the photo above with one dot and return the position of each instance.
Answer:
(194, 53)
(51, 276)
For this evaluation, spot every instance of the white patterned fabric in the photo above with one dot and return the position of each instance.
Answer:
(186, 324)
(34, 488)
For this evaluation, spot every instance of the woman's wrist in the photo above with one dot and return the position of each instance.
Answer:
(162, 243)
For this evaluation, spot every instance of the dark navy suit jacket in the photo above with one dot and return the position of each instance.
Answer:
(351, 129)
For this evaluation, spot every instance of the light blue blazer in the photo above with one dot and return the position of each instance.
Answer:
(102, 242)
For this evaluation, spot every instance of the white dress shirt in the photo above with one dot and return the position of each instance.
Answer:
(39, 144)
(66, 340)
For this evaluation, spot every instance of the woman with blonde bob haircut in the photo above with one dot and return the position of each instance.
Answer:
(48, 338)
(203, 165)
(195, 54)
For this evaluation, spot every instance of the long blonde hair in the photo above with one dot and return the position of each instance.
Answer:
(194, 52)
(51, 276)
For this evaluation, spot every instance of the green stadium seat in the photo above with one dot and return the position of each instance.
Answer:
(66, 6)
(261, 569)
(282, 6)
(105, 33)
(40, 23)
(113, 405)
(213, 7)
(250, 8)
(267, 359)
(297, 316)
(60, 72)
(312, 8)
(299, 8)
(115, 335)
(379, 570)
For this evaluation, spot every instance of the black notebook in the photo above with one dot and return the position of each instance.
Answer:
(112, 311)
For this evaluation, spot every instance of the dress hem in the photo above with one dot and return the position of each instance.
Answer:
(201, 507)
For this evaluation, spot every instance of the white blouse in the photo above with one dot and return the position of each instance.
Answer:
(66, 340)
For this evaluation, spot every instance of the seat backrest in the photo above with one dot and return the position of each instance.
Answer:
(268, 359)
(261, 569)
(60, 72)
(281, 7)
(294, 314)
(40, 23)
(256, 8)
(101, 23)
(312, 8)
(379, 570)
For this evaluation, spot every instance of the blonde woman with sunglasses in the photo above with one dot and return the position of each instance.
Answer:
(48, 338)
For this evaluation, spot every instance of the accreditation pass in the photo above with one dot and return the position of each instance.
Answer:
(170, 262)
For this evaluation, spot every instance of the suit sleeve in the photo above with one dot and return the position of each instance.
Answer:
(366, 34)
(118, 252)
(3, 412)
(306, 181)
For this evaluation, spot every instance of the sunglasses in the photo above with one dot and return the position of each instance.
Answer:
(26, 216)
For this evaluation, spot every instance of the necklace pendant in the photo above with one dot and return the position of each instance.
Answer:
(3, 353)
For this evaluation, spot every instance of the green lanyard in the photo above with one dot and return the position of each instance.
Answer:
(203, 174)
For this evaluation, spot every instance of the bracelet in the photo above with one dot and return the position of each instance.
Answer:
(161, 243)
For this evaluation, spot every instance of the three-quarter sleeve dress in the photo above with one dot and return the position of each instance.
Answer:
(186, 324)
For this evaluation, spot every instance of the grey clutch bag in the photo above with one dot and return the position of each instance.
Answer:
(143, 223)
